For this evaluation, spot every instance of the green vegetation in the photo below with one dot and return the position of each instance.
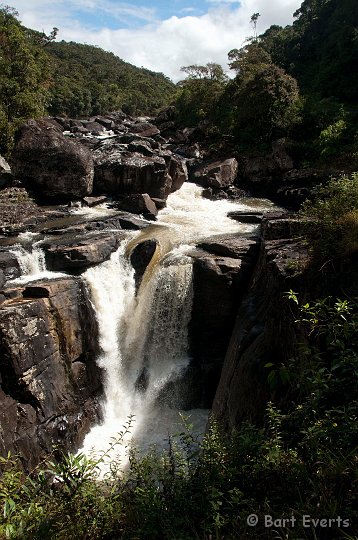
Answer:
(296, 81)
(332, 226)
(89, 81)
(24, 77)
(301, 462)
(39, 76)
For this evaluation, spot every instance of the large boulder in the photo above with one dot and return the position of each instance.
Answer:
(220, 174)
(141, 256)
(51, 165)
(145, 129)
(178, 172)
(140, 203)
(119, 172)
(49, 378)
(72, 254)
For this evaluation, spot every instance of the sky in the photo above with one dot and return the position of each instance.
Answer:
(161, 35)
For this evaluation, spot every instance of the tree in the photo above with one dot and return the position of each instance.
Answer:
(24, 77)
(199, 94)
(267, 105)
(253, 21)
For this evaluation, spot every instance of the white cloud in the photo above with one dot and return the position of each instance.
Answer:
(169, 44)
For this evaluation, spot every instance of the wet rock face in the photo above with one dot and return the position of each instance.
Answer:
(49, 379)
(221, 275)
(141, 257)
(51, 165)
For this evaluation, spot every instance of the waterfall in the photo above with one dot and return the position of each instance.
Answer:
(144, 335)
(31, 262)
(143, 339)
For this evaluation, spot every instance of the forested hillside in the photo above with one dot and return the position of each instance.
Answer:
(39, 76)
(88, 80)
(298, 81)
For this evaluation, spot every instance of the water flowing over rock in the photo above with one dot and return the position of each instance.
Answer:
(51, 165)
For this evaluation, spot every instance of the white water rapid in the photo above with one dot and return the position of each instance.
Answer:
(31, 262)
(144, 336)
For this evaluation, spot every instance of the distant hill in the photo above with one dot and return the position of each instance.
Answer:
(87, 80)
(39, 76)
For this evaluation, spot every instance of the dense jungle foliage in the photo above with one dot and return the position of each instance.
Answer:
(39, 76)
(285, 480)
(298, 81)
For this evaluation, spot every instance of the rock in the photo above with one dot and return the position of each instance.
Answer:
(128, 221)
(141, 146)
(276, 226)
(165, 115)
(79, 130)
(43, 332)
(50, 164)
(118, 172)
(107, 123)
(140, 258)
(69, 255)
(140, 203)
(2, 279)
(279, 153)
(145, 129)
(233, 246)
(159, 203)
(5, 173)
(220, 278)
(9, 264)
(178, 172)
(219, 174)
(94, 201)
(214, 194)
(264, 333)
(63, 122)
(93, 127)
(246, 217)
(297, 184)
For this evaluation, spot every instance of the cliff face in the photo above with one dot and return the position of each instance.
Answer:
(49, 379)
(264, 330)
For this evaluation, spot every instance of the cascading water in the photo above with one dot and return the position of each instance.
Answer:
(144, 337)
(32, 262)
